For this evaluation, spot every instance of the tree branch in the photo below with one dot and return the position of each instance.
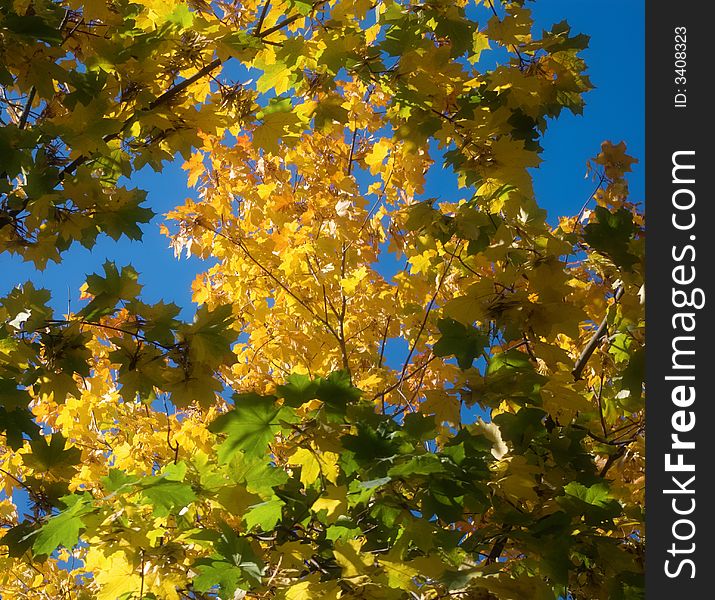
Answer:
(261, 18)
(175, 90)
(593, 342)
(498, 547)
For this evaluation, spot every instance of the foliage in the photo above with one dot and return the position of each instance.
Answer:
(268, 447)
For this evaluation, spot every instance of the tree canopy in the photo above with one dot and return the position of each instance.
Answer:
(266, 448)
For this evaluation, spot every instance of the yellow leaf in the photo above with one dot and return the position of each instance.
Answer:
(520, 482)
(442, 404)
(377, 155)
(480, 43)
(299, 591)
(329, 465)
(195, 167)
(294, 554)
(348, 556)
(274, 127)
(422, 262)
(310, 467)
(349, 284)
(399, 574)
(310, 588)
(333, 500)
(113, 575)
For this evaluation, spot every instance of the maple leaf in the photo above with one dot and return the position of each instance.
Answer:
(611, 233)
(265, 515)
(106, 291)
(310, 130)
(464, 342)
(274, 126)
(250, 426)
(16, 424)
(52, 456)
(209, 336)
(63, 529)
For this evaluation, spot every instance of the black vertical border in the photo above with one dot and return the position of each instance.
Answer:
(671, 128)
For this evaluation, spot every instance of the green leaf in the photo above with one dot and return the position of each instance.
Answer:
(52, 456)
(465, 342)
(250, 426)
(298, 389)
(369, 443)
(167, 492)
(458, 31)
(511, 374)
(424, 464)
(27, 306)
(610, 235)
(304, 7)
(18, 539)
(234, 565)
(117, 480)
(558, 39)
(31, 26)
(240, 44)
(594, 502)
(264, 515)
(258, 474)
(419, 426)
(507, 362)
(116, 285)
(522, 427)
(337, 392)
(212, 572)
(12, 397)
(16, 424)
(210, 335)
(329, 111)
(63, 529)
(124, 217)
(633, 376)
(181, 16)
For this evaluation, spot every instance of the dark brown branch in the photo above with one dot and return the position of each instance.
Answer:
(593, 342)
(600, 404)
(405, 378)
(164, 98)
(352, 153)
(602, 440)
(141, 586)
(134, 334)
(610, 461)
(26, 111)
(20, 482)
(239, 243)
(498, 547)
(174, 91)
(262, 17)
(173, 448)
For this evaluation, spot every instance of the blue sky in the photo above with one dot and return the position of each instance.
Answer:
(614, 111)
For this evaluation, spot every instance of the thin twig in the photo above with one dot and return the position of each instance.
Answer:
(430, 305)
(405, 378)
